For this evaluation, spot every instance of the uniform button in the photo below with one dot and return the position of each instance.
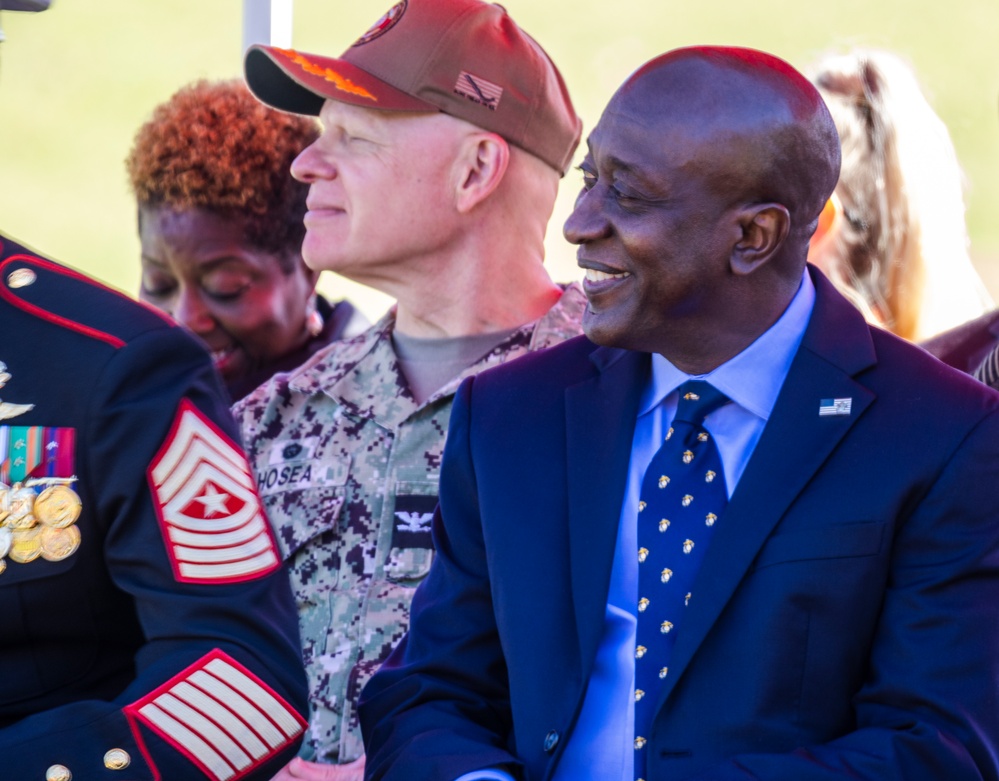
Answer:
(551, 741)
(58, 773)
(117, 759)
(22, 277)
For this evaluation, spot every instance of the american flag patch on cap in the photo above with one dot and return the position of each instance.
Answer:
(220, 716)
(213, 525)
(835, 406)
(478, 90)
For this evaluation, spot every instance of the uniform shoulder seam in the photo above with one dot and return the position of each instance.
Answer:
(94, 333)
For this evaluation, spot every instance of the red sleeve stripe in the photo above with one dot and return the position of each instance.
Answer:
(220, 716)
(190, 744)
(228, 572)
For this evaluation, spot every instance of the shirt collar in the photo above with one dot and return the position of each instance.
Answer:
(753, 378)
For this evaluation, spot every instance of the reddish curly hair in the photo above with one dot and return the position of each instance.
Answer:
(213, 146)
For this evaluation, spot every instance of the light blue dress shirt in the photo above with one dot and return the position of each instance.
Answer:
(601, 747)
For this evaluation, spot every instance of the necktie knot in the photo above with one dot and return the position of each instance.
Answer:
(698, 399)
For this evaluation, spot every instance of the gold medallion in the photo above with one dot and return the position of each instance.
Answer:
(21, 522)
(22, 501)
(58, 544)
(58, 506)
(26, 545)
(4, 502)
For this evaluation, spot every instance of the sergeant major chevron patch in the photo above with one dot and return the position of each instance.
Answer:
(207, 504)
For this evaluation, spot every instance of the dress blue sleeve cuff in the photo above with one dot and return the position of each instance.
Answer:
(486, 775)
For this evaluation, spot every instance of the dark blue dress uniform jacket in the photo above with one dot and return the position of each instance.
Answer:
(181, 670)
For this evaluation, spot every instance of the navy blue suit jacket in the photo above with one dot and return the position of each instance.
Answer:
(847, 614)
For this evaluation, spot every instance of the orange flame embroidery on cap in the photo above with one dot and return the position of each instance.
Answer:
(342, 83)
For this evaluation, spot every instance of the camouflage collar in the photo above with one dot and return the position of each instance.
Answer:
(363, 374)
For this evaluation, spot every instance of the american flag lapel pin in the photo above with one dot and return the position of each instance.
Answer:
(835, 406)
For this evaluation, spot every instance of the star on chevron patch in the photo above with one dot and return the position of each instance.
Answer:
(207, 504)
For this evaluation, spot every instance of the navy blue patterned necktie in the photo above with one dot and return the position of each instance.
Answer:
(988, 369)
(682, 497)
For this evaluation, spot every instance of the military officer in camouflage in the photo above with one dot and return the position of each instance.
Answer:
(446, 130)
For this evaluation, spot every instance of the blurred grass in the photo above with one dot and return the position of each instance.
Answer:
(78, 80)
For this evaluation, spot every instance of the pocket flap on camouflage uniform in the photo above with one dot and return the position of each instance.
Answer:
(302, 493)
(300, 516)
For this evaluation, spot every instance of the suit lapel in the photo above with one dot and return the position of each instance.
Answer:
(795, 443)
(600, 416)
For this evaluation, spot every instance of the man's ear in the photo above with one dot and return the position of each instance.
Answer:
(764, 228)
(481, 164)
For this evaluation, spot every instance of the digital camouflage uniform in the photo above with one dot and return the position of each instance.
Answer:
(348, 464)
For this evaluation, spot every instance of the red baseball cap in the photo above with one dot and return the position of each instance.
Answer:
(466, 58)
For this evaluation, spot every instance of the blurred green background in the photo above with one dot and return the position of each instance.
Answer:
(77, 81)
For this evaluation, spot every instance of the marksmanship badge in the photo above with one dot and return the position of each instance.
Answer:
(7, 409)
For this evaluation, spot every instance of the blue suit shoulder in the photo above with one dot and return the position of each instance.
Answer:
(66, 298)
(925, 379)
(559, 365)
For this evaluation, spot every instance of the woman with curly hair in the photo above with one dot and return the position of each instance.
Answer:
(893, 236)
(220, 223)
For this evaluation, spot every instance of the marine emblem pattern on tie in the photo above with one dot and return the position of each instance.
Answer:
(219, 715)
(207, 503)
(673, 549)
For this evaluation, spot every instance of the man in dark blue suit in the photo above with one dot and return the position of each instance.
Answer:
(796, 582)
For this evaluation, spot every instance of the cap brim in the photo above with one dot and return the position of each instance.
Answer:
(301, 83)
